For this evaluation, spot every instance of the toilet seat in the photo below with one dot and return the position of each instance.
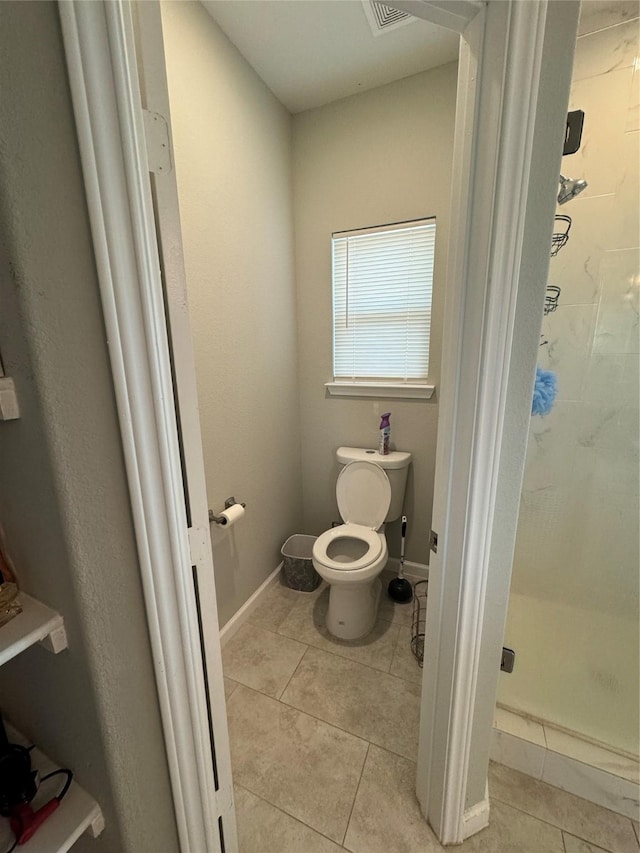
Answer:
(363, 492)
(359, 532)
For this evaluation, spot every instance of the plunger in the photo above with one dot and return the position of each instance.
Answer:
(400, 588)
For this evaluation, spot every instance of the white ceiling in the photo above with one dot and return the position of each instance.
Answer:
(312, 52)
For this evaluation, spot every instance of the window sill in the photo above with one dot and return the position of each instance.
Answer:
(380, 389)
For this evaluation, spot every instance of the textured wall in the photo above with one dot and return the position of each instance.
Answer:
(63, 496)
(233, 163)
(383, 156)
(574, 606)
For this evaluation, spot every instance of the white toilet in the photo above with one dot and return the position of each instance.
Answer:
(370, 491)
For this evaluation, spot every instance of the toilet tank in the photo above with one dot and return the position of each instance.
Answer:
(395, 465)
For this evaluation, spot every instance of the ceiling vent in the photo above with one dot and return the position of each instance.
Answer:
(383, 18)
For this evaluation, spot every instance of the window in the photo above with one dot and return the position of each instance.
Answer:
(382, 283)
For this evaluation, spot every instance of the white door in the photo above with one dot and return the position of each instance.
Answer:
(157, 121)
(117, 71)
(155, 103)
(508, 138)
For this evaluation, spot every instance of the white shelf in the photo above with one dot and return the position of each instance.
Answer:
(76, 814)
(36, 624)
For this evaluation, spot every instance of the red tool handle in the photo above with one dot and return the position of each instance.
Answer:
(24, 821)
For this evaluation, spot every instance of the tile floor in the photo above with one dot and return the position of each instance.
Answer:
(324, 735)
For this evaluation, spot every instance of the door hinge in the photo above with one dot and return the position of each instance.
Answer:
(508, 659)
(197, 546)
(433, 541)
(156, 132)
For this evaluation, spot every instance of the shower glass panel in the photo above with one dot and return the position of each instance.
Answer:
(573, 613)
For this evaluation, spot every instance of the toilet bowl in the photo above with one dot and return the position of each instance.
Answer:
(351, 556)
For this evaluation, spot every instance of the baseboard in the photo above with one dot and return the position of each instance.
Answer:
(517, 753)
(242, 615)
(613, 792)
(476, 818)
(417, 570)
(412, 570)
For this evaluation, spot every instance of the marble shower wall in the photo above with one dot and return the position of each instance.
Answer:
(573, 616)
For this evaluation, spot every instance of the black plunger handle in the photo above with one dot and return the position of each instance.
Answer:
(404, 527)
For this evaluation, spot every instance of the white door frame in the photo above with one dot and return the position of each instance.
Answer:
(502, 50)
(499, 77)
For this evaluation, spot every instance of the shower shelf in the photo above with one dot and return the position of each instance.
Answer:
(560, 237)
(551, 299)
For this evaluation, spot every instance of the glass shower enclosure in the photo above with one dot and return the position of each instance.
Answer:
(573, 613)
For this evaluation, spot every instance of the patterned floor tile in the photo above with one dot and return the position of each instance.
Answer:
(578, 817)
(305, 767)
(263, 828)
(261, 659)
(370, 704)
(306, 623)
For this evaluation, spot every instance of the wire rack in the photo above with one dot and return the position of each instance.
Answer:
(561, 228)
(551, 299)
(420, 589)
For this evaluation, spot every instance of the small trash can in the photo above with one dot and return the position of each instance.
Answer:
(297, 565)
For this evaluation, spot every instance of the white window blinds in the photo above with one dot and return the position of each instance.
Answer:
(382, 284)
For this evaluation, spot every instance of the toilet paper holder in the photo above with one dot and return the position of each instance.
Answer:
(220, 519)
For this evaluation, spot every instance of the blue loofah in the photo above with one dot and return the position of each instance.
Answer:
(544, 392)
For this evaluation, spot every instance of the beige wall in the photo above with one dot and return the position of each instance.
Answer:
(382, 156)
(233, 163)
(573, 616)
(64, 502)
(262, 337)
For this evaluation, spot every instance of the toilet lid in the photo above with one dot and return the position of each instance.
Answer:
(363, 491)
